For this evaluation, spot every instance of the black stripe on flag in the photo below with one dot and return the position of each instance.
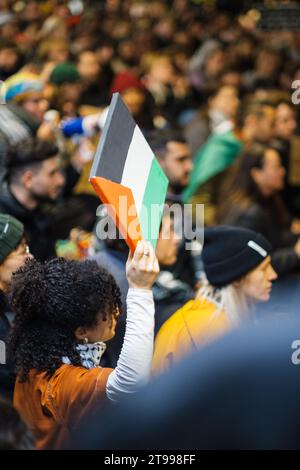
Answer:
(114, 143)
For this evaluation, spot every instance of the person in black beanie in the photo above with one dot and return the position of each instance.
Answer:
(238, 273)
(13, 253)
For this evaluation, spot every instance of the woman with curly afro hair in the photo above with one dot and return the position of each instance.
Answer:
(65, 310)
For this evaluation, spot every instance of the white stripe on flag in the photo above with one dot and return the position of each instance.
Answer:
(137, 167)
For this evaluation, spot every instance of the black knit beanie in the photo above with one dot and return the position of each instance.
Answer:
(231, 252)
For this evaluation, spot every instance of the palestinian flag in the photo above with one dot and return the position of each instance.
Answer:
(128, 178)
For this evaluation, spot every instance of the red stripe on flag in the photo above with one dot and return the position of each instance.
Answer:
(127, 220)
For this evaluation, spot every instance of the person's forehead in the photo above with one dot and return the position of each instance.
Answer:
(8, 50)
(161, 62)
(227, 90)
(178, 148)
(34, 96)
(268, 112)
(265, 262)
(285, 110)
(272, 156)
(51, 163)
(88, 56)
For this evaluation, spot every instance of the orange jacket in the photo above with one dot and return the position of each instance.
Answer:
(190, 328)
(52, 408)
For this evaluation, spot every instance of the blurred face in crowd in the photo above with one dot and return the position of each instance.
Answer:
(257, 284)
(232, 79)
(127, 52)
(270, 178)
(285, 121)
(134, 99)
(225, 101)
(12, 263)
(88, 66)
(68, 97)
(105, 54)
(263, 126)
(245, 47)
(58, 52)
(45, 181)
(215, 63)
(36, 104)
(267, 63)
(162, 71)
(8, 59)
(9, 30)
(167, 243)
(177, 164)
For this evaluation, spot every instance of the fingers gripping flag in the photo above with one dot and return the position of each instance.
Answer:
(128, 178)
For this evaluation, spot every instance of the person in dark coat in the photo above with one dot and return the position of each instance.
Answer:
(13, 253)
(251, 199)
(288, 146)
(33, 181)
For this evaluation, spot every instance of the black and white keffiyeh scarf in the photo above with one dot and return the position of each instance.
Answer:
(90, 354)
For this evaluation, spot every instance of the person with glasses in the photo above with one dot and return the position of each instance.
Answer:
(13, 253)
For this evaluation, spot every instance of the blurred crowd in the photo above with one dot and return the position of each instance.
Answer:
(214, 95)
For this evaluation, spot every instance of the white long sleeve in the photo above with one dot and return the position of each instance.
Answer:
(134, 363)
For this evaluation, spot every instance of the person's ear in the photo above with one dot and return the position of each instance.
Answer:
(81, 334)
(256, 175)
(26, 179)
(239, 282)
(2, 283)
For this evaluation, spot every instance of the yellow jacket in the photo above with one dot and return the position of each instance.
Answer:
(193, 326)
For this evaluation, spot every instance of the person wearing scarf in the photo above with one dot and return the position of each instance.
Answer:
(65, 311)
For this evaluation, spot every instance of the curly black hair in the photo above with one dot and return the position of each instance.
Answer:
(51, 300)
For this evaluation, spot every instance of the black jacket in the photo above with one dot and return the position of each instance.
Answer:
(50, 221)
(7, 374)
(38, 225)
(262, 217)
(291, 192)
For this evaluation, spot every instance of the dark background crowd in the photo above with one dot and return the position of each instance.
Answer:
(214, 91)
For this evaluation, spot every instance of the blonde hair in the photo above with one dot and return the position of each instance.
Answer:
(229, 299)
(151, 58)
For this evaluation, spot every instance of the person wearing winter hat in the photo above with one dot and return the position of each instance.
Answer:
(13, 249)
(26, 90)
(124, 81)
(13, 253)
(238, 273)
(64, 73)
(21, 84)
